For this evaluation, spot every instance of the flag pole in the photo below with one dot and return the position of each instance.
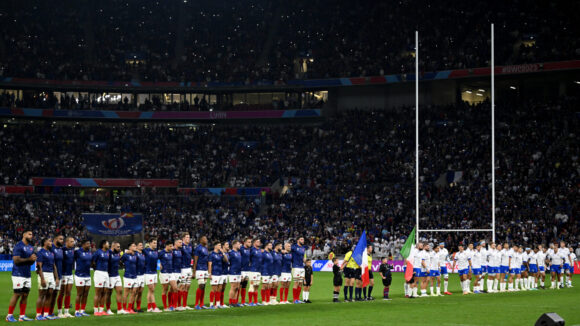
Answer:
(417, 134)
(492, 136)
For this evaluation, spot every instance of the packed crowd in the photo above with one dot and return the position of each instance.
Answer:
(233, 41)
(335, 172)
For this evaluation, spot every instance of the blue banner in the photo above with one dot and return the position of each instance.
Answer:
(113, 224)
(6, 266)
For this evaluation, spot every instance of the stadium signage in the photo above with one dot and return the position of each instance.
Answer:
(518, 69)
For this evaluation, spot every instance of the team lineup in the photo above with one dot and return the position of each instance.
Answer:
(495, 268)
(251, 267)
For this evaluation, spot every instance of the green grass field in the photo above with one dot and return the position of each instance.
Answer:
(516, 308)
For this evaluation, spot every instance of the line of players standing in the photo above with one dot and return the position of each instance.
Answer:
(249, 267)
(507, 268)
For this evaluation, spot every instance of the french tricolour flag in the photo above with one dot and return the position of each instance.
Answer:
(360, 256)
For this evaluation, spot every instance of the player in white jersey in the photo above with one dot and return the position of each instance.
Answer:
(571, 269)
(566, 270)
(493, 260)
(541, 261)
(524, 268)
(533, 269)
(425, 257)
(505, 261)
(434, 274)
(411, 288)
(443, 253)
(515, 263)
(463, 262)
(476, 262)
(556, 263)
(484, 264)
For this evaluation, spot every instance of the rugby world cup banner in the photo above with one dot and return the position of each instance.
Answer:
(116, 224)
(326, 265)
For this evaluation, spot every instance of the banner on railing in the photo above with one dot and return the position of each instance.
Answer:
(113, 224)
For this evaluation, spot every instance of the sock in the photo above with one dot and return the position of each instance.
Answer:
(415, 294)
(183, 300)
(423, 292)
(445, 283)
(431, 290)
(120, 306)
(438, 289)
(406, 287)
(335, 295)
(83, 307)
(386, 292)
(211, 298)
(306, 295)
(77, 307)
(164, 300)
(468, 285)
(370, 291)
(350, 290)
(345, 290)
(282, 290)
(67, 302)
(22, 309)
(364, 291)
(286, 294)
(11, 310)
(356, 293)
(243, 294)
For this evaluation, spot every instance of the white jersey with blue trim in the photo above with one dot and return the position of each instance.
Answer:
(433, 261)
(443, 253)
(504, 257)
(462, 259)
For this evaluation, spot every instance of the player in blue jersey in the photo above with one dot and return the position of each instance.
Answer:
(57, 250)
(67, 280)
(129, 261)
(174, 295)
(83, 259)
(286, 273)
(215, 268)
(47, 279)
(201, 255)
(151, 257)
(115, 282)
(235, 259)
(276, 273)
(225, 273)
(167, 276)
(101, 277)
(23, 256)
(298, 258)
(186, 271)
(140, 276)
(255, 275)
(245, 253)
(267, 265)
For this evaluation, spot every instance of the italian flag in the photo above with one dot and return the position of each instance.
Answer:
(406, 253)
(360, 256)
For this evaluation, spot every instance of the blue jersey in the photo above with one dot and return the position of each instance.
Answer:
(245, 253)
(46, 257)
(23, 251)
(114, 259)
(150, 261)
(83, 260)
(186, 251)
(226, 265)
(130, 262)
(298, 256)
(101, 260)
(216, 259)
(256, 260)
(58, 257)
(267, 262)
(140, 263)
(235, 262)
(277, 267)
(166, 258)
(177, 260)
(68, 261)
(287, 263)
(202, 256)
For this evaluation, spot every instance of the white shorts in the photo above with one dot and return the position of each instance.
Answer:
(83, 281)
(140, 281)
(150, 279)
(274, 279)
(165, 278)
(216, 280)
(235, 278)
(50, 282)
(67, 279)
(176, 277)
(130, 283)
(255, 276)
(185, 276)
(286, 277)
(19, 282)
(115, 281)
(201, 276)
(266, 279)
(246, 275)
(298, 273)
(224, 279)
(101, 279)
